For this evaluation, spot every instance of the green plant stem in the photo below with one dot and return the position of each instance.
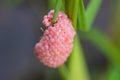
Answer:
(58, 6)
(72, 10)
(63, 71)
(91, 12)
(69, 8)
(66, 6)
(75, 12)
(63, 5)
(81, 17)
(77, 64)
(104, 44)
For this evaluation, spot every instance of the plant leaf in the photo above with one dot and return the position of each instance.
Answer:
(91, 12)
(81, 17)
(63, 71)
(104, 44)
(57, 9)
(75, 12)
(77, 65)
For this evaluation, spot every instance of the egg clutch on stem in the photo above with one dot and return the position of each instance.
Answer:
(56, 43)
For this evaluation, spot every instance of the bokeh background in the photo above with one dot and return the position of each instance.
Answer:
(20, 22)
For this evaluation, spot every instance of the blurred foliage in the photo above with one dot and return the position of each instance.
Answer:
(14, 2)
(114, 29)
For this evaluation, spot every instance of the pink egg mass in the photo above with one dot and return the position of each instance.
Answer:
(56, 43)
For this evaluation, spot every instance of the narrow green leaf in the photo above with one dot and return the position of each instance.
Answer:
(81, 17)
(72, 10)
(66, 7)
(63, 71)
(58, 6)
(75, 12)
(63, 5)
(69, 8)
(91, 12)
(104, 44)
(77, 65)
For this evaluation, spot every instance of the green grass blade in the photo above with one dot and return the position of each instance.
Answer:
(81, 17)
(77, 65)
(63, 5)
(63, 71)
(91, 12)
(75, 12)
(104, 44)
(72, 10)
(57, 9)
